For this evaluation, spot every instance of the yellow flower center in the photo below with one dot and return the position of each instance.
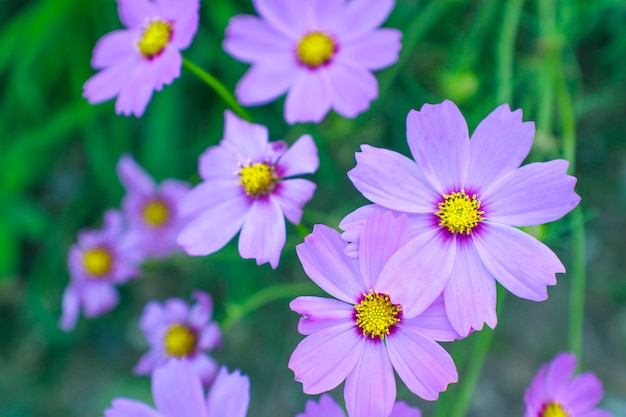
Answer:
(155, 38)
(315, 49)
(375, 314)
(553, 410)
(258, 179)
(156, 213)
(180, 340)
(97, 262)
(460, 213)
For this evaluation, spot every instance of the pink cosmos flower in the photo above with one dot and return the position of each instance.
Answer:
(247, 185)
(177, 392)
(322, 53)
(554, 393)
(142, 58)
(99, 260)
(465, 199)
(151, 210)
(176, 330)
(327, 407)
(364, 334)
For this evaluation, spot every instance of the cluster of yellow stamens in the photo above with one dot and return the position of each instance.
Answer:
(553, 410)
(156, 213)
(97, 262)
(258, 179)
(460, 213)
(315, 49)
(375, 314)
(155, 38)
(180, 340)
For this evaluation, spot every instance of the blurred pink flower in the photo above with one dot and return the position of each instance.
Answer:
(322, 53)
(327, 407)
(554, 393)
(99, 260)
(363, 335)
(142, 58)
(176, 330)
(177, 392)
(464, 200)
(248, 185)
(151, 210)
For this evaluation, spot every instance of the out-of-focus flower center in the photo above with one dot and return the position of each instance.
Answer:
(180, 340)
(156, 213)
(553, 410)
(315, 49)
(258, 179)
(97, 262)
(375, 314)
(155, 38)
(460, 213)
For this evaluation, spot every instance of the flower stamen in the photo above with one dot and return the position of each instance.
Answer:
(155, 38)
(459, 213)
(156, 213)
(553, 410)
(180, 340)
(258, 179)
(375, 314)
(97, 262)
(315, 49)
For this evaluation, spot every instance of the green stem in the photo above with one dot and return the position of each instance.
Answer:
(234, 312)
(506, 50)
(218, 87)
(549, 51)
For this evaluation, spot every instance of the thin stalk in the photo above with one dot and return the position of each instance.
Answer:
(235, 312)
(567, 121)
(506, 50)
(218, 87)
(549, 51)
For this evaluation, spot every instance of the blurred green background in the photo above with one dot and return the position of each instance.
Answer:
(562, 61)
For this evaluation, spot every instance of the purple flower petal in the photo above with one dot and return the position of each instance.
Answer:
(352, 225)
(219, 162)
(263, 233)
(70, 309)
(362, 16)
(175, 310)
(353, 87)
(324, 262)
(325, 14)
(416, 275)
(559, 372)
(213, 229)
(201, 311)
(210, 195)
(375, 50)
(284, 16)
(249, 140)
(521, 263)
(229, 395)
(137, 91)
(535, 395)
(382, 236)
(133, 13)
(400, 409)
(319, 313)
(424, 366)
(439, 142)
(327, 407)
(204, 367)
(292, 195)
(177, 391)
(133, 177)
(300, 158)
(148, 362)
(433, 323)
(167, 68)
(371, 386)
(108, 83)
(265, 81)
(123, 407)
(114, 47)
(250, 39)
(184, 14)
(210, 337)
(152, 318)
(470, 295)
(323, 359)
(498, 145)
(534, 194)
(310, 97)
(392, 181)
(583, 393)
(98, 298)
